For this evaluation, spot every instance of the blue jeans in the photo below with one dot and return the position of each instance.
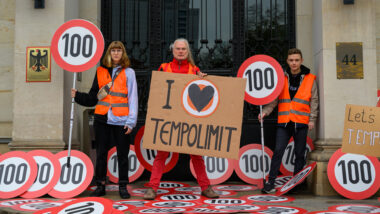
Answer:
(283, 135)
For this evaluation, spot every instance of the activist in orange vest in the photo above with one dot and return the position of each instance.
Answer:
(114, 93)
(182, 63)
(297, 113)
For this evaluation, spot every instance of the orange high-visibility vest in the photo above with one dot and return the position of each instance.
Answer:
(298, 109)
(167, 68)
(117, 98)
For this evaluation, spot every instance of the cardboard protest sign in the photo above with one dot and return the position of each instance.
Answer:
(362, 130)
(187, 114)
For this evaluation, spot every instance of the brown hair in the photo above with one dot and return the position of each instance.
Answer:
(124, 61)
(294, 51)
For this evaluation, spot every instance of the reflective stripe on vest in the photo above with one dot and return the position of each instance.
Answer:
(298, 109)
(117, 98)
(167, 68)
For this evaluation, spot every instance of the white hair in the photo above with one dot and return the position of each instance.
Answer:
(189, 55)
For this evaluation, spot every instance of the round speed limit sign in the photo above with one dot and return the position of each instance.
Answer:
(49, 170)
(146, 156)
(17, 173)
(265, 79)
(77, 45)
(218, 169)
(75, 178)
(354, 176)
(135, 168)
(289, 157)
(250, 166)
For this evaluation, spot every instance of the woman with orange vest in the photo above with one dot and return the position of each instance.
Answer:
(297, 112)
(182, 63)
(115, 113)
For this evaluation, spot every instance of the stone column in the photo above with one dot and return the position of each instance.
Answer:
(37, 107)
(335, 22)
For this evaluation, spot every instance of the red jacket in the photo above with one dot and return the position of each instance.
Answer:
(177, 67)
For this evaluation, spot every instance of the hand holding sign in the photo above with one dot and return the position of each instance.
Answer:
(77, 45)
(265, 80)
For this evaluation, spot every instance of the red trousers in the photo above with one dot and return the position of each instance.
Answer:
(159, 166)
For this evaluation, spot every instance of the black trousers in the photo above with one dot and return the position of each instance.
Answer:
(283, 135)
(106, 136)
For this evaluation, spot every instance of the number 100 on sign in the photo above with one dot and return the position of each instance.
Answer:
(265, 79)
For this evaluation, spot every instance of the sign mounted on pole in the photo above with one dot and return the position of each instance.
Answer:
(77, 45)
(74, 179)
(354, 176)
(265, 79)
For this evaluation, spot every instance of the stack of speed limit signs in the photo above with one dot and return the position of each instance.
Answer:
(39, 172)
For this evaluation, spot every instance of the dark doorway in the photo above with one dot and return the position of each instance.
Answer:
(222, 34)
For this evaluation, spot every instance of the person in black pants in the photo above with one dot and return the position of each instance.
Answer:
(297, 112)
(114, 93)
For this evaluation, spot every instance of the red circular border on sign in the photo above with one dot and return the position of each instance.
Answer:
(260, 208)
(77, 23)
(132, 178)
(238, 171)
(25, 201)
(312, 166)
(33, 173)
(309, 142)
(346, 193)
(250, 187)
(183, 106)
(53, 181)
(220, 180)
(280, 74)
(334, 208)
(198, 197)
(138, 210)
(289, 199)
(107, 203)
(47, 210)
(19, 207)
(90, 173)
(142, 194)
(175, 182)
(151, 203)
(330, 211)
(131, 201)
(301, 210)
(146, 165)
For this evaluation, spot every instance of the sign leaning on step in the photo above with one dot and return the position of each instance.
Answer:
(361, 133)
(187, 114)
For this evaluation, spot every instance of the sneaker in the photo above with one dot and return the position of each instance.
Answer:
(209, 193)
(123, 192)
(99, 191)
(268, 188)
(150, 194)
